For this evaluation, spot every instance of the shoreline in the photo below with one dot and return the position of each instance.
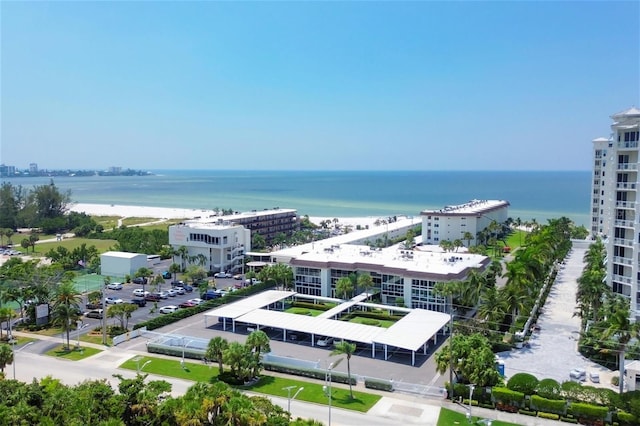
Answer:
(168, 213)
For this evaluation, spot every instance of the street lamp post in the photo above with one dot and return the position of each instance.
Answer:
(14, 356)
(327, 389)
(471, 388)
(289, 397)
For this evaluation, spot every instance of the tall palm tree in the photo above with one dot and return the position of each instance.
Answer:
(215, 351)
(174, 268)
(492, 307)
(467, 236)
(621, 327)
(6, 315)
(347, 349)
(66, 307)
(365, 282)
(258, 342)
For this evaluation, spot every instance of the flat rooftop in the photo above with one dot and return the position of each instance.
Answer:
(470, 208)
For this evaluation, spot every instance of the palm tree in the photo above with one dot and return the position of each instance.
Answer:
(215, 351)
(492, 307)
(6, 356)
(365, 282)
(344, 287)
(258, 342)
(348, 349)
(174, 268)
(6, 314)
(468, 236)
(621, 327)
(183, 252)
(66, 307)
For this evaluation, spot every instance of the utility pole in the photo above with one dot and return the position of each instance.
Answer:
(450, 301)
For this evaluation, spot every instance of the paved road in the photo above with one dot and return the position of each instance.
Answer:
(553, 351)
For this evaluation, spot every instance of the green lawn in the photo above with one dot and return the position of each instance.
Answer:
(107, 222)
(74, 354)
(369, 321)
(95, 338)
(269, 385)
(71, 243)
(516, 239)
(304, 311)
(129, 221)
(450, 417)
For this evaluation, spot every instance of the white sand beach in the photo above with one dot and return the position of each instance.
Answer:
(181, 213)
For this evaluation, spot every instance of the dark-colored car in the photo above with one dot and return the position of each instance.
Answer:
(210, 294)
(166, 275)
(94, 305)
(138, 301)
(152, 298)
(140, 280)
(187, 288)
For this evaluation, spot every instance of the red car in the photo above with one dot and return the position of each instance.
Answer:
(187, 304)
(152, 298)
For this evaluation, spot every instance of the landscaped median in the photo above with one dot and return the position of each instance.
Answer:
(269, 385)
(72, 353)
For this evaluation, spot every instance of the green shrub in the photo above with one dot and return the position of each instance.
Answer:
(615, 380)
(549, 388)
(527, 412)
(588, 411)
(550, 416)
(385, 385)
(507, 396)
(309, 305)
(568, 420)
(523, 382)
(548, 405)
(627, 419)
(368, 321)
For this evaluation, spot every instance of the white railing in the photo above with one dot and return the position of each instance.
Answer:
(622, 260)
(633, 144)
(624, 223)
(626, 185)
(626, 204)
(622, 279)
(622, 242)
(628, 166)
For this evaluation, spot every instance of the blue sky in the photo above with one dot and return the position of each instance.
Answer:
(314, 85)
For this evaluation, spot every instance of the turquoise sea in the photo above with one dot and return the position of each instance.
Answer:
(540, 195)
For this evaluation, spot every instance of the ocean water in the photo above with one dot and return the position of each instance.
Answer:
(533, 195)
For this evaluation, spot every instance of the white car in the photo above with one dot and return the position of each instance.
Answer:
(179, 290)
(140, 292)
(162, 294)
(113, 300)
(168, 309)
(579, 374)
(197, 301)
(172, 293)
(114, 286)
(222, 275)
(324, 342)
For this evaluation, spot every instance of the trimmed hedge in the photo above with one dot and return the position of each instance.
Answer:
(523, 382)
(379, 384)
(507, 396)
(307, 372)
(626, 419)
(548, 405)
(550, 416)
(372, 315)
(309, 305)
(588, 411)
(568, 420)
(549, 389)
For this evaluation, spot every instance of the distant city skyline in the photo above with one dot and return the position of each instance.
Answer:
(314, 85)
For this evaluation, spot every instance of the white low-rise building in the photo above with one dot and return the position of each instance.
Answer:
(118, 264)
(216, 245)
(454, 222)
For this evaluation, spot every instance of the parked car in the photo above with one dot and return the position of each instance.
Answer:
(166, 275)
(112, 300)
(95, 313)
(222, 275)
(177, 283)
(168, 309)
(179, 290)
(210, 294)
(187, 304)
(140, 292)
(162, 294)
(114, 286)
(172, 293)
(252, 281)
(138, 301)
(594, 376)
(94, 305)
(579, 374)
(324, 342)
(187, 288)
(152, 297)
(237, 277)
(197, 301)
(140, 280)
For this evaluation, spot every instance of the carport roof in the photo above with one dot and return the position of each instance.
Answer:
(413, 330)
(244, 306)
